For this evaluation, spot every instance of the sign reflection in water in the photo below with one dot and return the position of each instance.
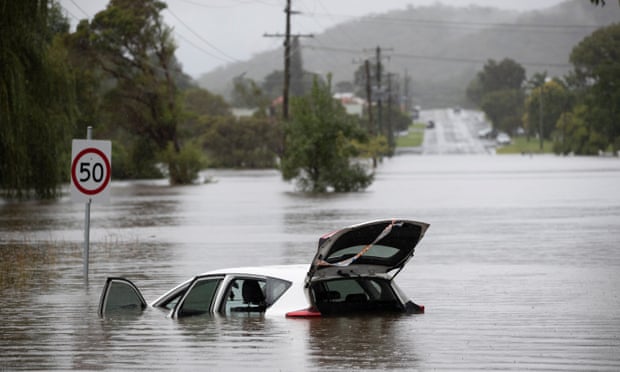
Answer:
(519, 270)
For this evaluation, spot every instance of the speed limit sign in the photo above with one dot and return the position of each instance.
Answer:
(91, 170)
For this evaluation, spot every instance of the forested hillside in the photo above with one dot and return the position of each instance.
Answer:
(440, 47)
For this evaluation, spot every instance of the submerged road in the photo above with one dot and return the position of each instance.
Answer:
(455, 132)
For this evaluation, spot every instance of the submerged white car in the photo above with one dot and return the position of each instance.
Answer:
(352, 272)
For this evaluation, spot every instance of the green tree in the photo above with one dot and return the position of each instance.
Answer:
(320, 145)
(133, 46)
(504, 108)
(497, 90)
(37, 102)
(596, 60)
(505, 75)
(574, 135)
(273, 83)
(246, 93)
(249, 142)
(542, 116)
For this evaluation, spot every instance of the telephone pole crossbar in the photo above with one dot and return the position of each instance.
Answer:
(287, 54)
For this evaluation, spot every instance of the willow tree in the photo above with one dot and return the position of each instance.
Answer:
(36, 100)
(134, 47)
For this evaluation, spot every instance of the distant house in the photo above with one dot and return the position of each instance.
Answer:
(353, 105)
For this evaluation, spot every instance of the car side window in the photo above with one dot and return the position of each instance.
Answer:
(199, 297)
(252, 294)
(275, 288)
(244, 295)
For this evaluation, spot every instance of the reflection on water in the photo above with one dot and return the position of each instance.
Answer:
(377, 343)
(517, 271)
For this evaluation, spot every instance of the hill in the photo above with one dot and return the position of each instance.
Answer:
(440, 47)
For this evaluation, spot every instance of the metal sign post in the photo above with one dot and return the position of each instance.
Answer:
(89, 136)
(91, 172)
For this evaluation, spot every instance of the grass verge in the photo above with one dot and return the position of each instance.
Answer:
(520, 145)
(20, 262)
(414, 136)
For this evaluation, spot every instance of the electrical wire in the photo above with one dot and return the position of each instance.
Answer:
(230, 58)
(467, 24)
(81, 10)
(431, 58)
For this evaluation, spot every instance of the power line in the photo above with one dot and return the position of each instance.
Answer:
(433, 58)
(201, 49)
(469, 24)
(231, 59)
(70, 14)
(81, 10)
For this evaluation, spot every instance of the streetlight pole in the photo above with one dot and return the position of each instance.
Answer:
(540, 116)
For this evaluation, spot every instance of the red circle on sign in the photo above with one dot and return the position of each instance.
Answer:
(107, 167)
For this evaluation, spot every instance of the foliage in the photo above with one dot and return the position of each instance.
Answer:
(319, 145)
(133, 47)
(597, 66)
(504, 108)
(240, 143)
(202, 102)
(544, 106)
(574, 136)
(197, 103)
(497, 90)
(360, 79)
(273, 83)
(246, 93)
(185, 164)
(37, 105)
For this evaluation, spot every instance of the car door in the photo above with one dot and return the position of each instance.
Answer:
(199, 298)
(120, 297)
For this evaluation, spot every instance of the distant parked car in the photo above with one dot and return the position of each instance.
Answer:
(503, 139)
(430, 124)
(485, 133)
(415, 112)
(352, 271)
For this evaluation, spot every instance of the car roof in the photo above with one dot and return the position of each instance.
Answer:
(290, 272)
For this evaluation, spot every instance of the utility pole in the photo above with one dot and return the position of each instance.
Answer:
(407, 103)
(379, 69)
(287, 55)
(379, 92)
(389, 113)
(369, 97)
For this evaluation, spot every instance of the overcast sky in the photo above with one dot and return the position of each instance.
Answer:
(212, 33)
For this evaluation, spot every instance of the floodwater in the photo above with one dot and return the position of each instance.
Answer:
(520, 270)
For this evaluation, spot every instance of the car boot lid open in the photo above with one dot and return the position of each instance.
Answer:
(380, 247)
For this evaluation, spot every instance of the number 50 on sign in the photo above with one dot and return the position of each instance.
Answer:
(91, 168)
